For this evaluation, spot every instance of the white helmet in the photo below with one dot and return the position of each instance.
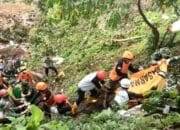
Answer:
(125, 83)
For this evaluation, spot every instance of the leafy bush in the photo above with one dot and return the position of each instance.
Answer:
(157, 101)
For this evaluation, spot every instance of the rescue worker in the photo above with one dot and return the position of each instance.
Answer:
(12, 66)
(91, 82)
(20, 105)
(25, 76)
(3, 82)
(4, 105)
(122, 95)
(49, 65)
(2, 63)
(16, 61)
(120, 70)
(61, 104)
(44, 97)
(28, 92)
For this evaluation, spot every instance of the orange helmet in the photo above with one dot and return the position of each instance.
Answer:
(101, 75)
(128, 55)
(41, 86)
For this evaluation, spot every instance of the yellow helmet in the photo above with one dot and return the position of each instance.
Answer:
(128, 55)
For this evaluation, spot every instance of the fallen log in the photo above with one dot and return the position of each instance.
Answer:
(127, 39)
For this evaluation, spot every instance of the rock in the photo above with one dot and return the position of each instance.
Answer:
(17, 12)
(171, 82)
(131, 112)
(11, 50)
(57, 60)
(16, 19)
(165, 52)
(175, 27)
(166, 109)
(162, 53)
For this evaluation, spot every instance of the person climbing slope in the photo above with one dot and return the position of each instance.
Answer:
(49, 65)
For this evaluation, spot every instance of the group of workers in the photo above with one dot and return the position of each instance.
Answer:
(16, 96)
(19, 89)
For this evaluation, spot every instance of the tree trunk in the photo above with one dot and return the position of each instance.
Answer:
(153, 28)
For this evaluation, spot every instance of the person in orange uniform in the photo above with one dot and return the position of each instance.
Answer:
(121, 69)
(25, 76)
(44, 97)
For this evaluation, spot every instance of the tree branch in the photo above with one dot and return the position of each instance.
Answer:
(153, 28)
(127, 39)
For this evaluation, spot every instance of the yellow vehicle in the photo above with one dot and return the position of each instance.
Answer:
(153, 77)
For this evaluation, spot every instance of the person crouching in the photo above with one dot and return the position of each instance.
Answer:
(123, 96)
(61, 104)
(90, 82)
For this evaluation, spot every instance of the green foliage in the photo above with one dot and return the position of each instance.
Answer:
(105, 120)
(73, 32)
(33, 122)
(82, 32)
(157, 101)
(35, 119)
(157, 122)
(166, 3)
(54, 125)
(114, 19)
(110, 120)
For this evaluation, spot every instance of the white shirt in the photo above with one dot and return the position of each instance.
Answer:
(86, 83)
(54, 109)
(1, 66)
(121, 97)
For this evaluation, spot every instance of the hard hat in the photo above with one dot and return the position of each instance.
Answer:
(101, 75)
(125, 83)
(41, 86)
(3, 92)
(60, 98)
(128, 55)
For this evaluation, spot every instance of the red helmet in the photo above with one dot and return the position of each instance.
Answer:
(3, 92)
(60, 98)
(101, 75)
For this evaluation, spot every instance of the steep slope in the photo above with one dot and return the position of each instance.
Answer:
(92, 34)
